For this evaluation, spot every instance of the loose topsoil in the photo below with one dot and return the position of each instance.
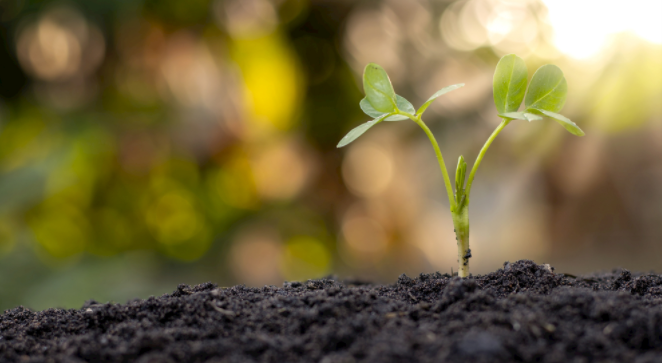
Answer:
(521, 313)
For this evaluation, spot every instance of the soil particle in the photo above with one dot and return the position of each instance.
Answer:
(521, 313)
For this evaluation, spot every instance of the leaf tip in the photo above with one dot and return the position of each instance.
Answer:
(372, 65)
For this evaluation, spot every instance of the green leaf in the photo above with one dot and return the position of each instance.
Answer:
(509, 83)
(378, 89)
(460, 173)
(437, 94)
(548, 89)
(521, 116)
(360, 130)
(368, 109)
(564, 121)
(403, 105)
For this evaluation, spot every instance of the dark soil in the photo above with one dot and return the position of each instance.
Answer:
(521, 313)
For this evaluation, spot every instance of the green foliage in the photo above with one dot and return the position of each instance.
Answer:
(509, 83)
(460, 173)
(368, 109)
(545, 96)
(382, 104)
(360, 130)
(564, 121)
(548, 89)
(441, 92)
(521, 116)
(378, 89)
(403, 105)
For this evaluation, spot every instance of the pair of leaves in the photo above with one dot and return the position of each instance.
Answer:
(545, 96)
(382, 104)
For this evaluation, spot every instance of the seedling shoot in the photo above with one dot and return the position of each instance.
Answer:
(545, 97)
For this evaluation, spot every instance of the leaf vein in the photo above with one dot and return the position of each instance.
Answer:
(548, 92)
(395, 105)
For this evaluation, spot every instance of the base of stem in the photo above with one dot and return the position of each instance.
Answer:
(461, 224)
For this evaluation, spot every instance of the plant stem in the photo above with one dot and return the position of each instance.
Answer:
(460, 213)
(496, 132)
(461, 224)
(459, 209)
(440, 158)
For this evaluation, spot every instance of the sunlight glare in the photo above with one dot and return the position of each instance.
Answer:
(583, 28)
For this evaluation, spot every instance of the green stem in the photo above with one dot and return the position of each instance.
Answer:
(460, 212)
(440, 158)
(461, 225)
(482, 154)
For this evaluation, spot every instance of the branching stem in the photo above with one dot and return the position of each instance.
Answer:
(459, 210)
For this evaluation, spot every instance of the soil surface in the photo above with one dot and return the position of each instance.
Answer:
(521, 313)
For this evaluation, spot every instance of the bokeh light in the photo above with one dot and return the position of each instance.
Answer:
(255, 256)
(576, 36)
(364, 238)
(155, 143)
(367, 169)
(282, 170)
(507, 26)
(60, 45)
(303, 257)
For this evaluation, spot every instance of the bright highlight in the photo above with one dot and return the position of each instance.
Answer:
(583, 28)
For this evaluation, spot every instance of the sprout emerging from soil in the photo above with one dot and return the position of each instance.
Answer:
(545, 97)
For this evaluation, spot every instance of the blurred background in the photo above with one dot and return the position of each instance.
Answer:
(147, 143)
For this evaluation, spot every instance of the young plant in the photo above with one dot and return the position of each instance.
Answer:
(545, 97)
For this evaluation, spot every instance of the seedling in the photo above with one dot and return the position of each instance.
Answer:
(545, 97)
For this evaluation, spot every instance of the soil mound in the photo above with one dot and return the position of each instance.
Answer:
(521, 313)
